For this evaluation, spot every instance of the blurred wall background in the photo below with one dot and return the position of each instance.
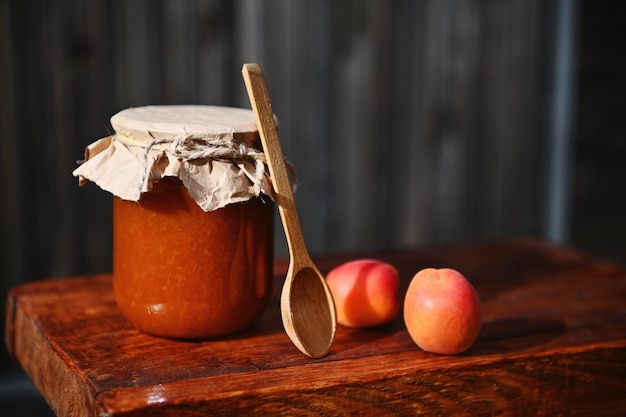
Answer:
(409, 122)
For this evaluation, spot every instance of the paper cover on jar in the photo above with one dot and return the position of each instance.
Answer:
(215, 151)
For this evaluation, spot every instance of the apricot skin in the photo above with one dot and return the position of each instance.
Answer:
(442, 311)
(365, 292)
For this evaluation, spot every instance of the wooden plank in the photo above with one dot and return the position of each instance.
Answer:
(554, 341)
(215, 54)
(64, 390)
(405, 119)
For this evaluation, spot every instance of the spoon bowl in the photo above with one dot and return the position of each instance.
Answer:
(307, 319)
(306, 304)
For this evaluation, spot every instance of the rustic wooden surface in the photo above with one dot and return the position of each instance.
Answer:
(553, 343)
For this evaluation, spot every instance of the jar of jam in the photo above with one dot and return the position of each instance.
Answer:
(193, 220)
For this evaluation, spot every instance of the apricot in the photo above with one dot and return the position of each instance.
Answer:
(365, 292)
(442, 311)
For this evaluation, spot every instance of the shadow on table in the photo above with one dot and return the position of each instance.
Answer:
(516, 334)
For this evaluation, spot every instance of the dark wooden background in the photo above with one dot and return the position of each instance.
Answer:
(409, 122)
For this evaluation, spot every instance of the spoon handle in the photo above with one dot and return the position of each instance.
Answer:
(257, 90)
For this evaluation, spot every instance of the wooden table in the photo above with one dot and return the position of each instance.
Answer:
(553, 343)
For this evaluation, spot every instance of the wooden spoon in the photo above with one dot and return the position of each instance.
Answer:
(306, 304)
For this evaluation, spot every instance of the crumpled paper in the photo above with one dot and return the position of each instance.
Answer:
(218, 164)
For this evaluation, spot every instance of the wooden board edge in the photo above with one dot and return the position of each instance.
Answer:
(317, 386)
(511, 386)
(64, 390)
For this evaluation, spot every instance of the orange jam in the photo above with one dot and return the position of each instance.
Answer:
(181, 272)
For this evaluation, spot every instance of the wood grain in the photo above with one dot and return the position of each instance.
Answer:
(408, 122)
(553, 343)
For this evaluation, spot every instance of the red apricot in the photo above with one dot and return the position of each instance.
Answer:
(442, 311)
(365, 292)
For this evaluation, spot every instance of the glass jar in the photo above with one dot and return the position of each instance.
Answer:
(181, 272)
(192, 220)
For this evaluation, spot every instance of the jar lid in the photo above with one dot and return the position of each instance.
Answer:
(215, 151)
(145, 124)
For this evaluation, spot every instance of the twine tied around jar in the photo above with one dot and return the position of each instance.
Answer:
(191, 148)
(212, 150)
(188, 148)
